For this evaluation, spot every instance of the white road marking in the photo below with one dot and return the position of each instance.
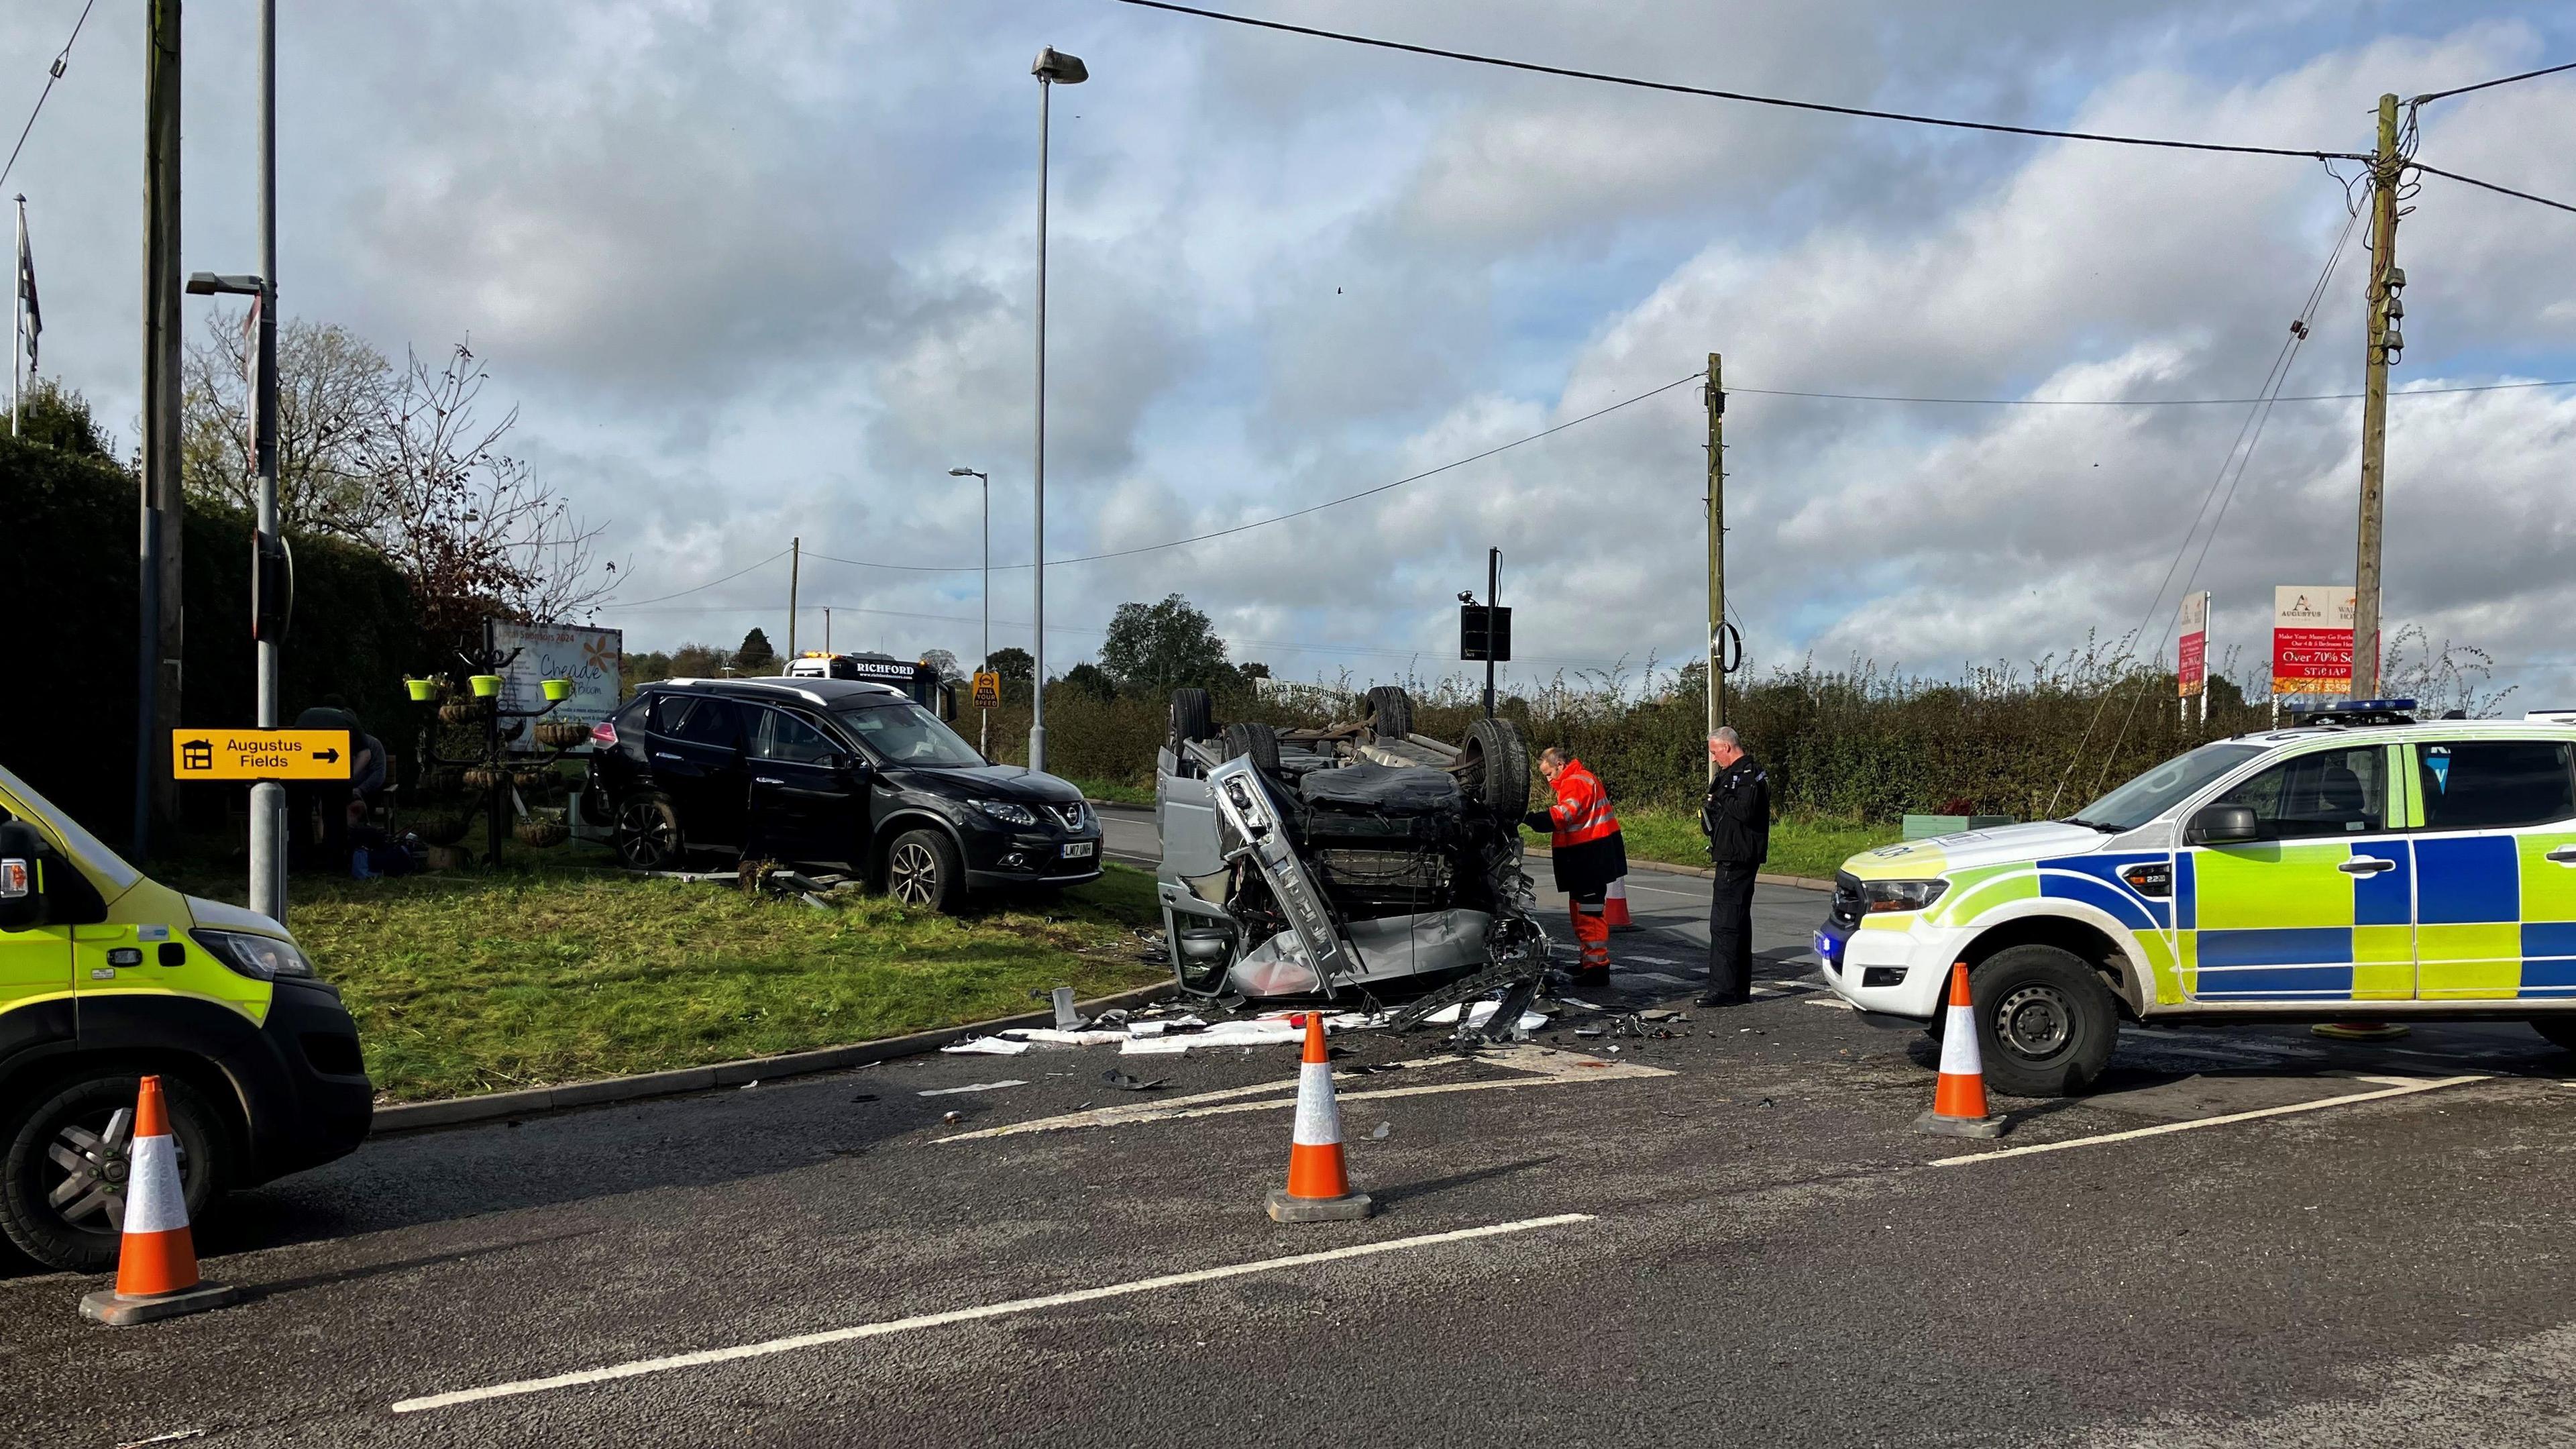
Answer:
(2412, 1086)
(1545, 1066)
(1833, 1002)
(704, 1357)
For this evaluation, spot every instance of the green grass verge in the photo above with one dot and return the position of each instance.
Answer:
(465, 983)
(1114, 792)
(1809, 847)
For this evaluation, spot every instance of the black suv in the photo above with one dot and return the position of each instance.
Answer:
(830, 771)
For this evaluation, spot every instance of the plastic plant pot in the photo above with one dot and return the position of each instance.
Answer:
(556, 690)
(422, 690)
(486, 686)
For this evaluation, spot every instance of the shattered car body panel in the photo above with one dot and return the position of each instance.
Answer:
(1346, 864)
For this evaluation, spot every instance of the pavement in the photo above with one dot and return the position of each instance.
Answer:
(1729, 1234)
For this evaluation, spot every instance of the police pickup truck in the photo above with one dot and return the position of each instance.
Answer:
(2359, 865)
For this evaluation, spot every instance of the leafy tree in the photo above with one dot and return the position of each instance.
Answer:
(1012, 664)
(1092, 680)
(946, 664)
(755, 655)
(1158, 647)
(1252, 669)
(698, 661)
(649, 667)
(54, 415)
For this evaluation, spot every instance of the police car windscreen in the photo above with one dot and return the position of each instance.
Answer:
(901, 732)
(2165, 786)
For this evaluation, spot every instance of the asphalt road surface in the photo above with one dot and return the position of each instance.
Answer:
(1727, 1235)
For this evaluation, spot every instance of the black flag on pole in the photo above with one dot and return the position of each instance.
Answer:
(27, 291)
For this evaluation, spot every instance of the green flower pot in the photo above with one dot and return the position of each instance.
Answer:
(422, 690)
(556, 689)
(486, 686)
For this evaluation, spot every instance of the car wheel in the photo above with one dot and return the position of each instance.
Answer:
(62, 1180)
(2561, 1030)
(2045, 1022)
(1259, 741)
(1193, 717)
(1390, 712)
(647, 834)
(1495, 768)
(923, 869)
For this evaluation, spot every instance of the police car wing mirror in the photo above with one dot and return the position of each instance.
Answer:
(22, 877)
(2224, 825)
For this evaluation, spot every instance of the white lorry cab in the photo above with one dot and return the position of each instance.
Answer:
(2359, 865)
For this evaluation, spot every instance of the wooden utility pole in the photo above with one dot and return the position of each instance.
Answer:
(161, 617)
(1715, 394)
(795, 566)
(2385, 282)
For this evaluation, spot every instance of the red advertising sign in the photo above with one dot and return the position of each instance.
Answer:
(2311, 640)
(2193, 667)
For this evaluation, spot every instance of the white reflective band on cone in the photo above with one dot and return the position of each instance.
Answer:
(1319, 1120)
(1959, 1044)
(154, 1200)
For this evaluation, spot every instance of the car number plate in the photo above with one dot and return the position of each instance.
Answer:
(1824, 945)
(1079, 850)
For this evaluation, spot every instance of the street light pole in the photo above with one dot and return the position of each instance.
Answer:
(1051, 68)
(268, 797)
(984, 737)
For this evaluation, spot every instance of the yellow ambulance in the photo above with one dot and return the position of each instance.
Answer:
(106, 975)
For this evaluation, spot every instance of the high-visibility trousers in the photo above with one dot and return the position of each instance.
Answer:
(1592, 930)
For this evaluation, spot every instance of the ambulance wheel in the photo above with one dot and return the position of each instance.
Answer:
(2045, 1022)
(62, 1182)
(1390, 712)
(2561, 1030)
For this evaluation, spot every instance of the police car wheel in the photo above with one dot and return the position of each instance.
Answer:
(647, 835)
(62, 1179)
(2045, 1022)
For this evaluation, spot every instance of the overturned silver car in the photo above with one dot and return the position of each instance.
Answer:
(1327, 861)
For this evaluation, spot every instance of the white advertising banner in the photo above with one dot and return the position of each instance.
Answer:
(592, 659)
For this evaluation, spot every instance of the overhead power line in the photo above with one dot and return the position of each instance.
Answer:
(1743, 96)
(62, 62)
(2504, 80)
(2488, 185)
(709, 584)
(2137, 402)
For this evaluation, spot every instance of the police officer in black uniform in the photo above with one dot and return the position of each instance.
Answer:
(1736, 818)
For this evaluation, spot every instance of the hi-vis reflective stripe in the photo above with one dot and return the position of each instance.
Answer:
(154, 1200)
(1959, 1044)
(1319, 1117)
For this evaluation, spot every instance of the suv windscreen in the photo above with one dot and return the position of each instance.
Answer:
(2165, 786)
(901, 732)
(2331, 792)
(2493, 784)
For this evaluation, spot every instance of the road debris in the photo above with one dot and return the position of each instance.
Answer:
(974, 1087)
(952, 1118)
(1383, 1128)
(986, 1046)
(1126, 1083)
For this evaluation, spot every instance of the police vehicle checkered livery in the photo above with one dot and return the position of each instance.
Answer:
(2359, 865)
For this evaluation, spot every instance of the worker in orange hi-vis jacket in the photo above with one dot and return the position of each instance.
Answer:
(1583, 836)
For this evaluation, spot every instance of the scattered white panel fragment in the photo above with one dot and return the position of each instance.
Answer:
(974, 1087)
(991, 1046)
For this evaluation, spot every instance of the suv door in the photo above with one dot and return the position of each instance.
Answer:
(807, 800)
(698, 762)
(2320, 908)
(2495, 869)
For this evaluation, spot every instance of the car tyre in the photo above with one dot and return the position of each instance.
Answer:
(1193, 717)
(1259, 741)
(2561, 1030)
(1496, 767)
(1390, 712)
(923, 869)
(2045, 1022)
(647, 833)
(79, 1122)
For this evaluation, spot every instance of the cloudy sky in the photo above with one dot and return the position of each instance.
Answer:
(762, 270)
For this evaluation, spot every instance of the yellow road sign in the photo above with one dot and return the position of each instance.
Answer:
(259, 754)
(988, 689)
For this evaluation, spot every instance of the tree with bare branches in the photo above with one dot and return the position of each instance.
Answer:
(331, 397)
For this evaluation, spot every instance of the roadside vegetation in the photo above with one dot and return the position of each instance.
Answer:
(547, 972)
(1800, 845)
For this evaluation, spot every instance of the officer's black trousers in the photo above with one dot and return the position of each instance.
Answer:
(1730, 933)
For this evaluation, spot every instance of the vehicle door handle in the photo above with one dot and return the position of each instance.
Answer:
(665, 755)
(765, 780)
(2365, 865)
(2564, 855)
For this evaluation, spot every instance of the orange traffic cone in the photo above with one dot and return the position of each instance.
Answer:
(1319, 1182)
(156, 1266)
(1959, 1100)
(1615, 909)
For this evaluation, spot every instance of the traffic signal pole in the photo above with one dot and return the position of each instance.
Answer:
(1493, 583)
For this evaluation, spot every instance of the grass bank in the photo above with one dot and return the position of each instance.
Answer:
(1805, 846)
(466, 983)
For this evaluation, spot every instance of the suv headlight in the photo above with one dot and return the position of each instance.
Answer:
(1900, 895)
(1005, 811)
(262, 958)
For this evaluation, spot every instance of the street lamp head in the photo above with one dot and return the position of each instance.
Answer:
(1062, 69)
(964, 473)
(208, 284)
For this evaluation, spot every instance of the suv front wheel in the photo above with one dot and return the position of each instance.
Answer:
(923, 868)
(2045, 1022)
